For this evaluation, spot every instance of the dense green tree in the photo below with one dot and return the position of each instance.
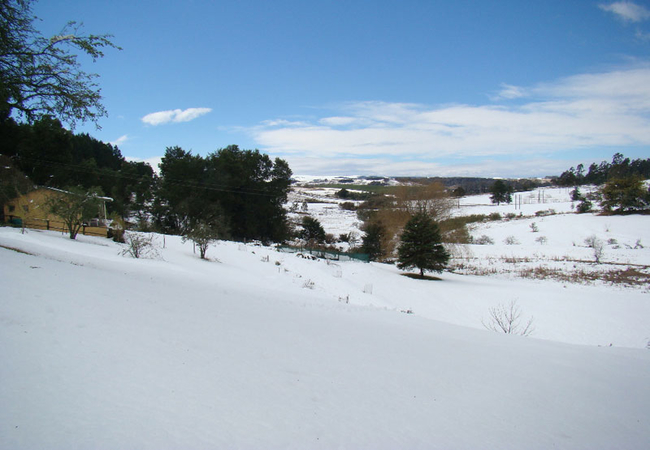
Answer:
(312, 230)
(374, 233)
(246, 185)
(132, 190)
(181, 193)
(252, 190)
(625, 195)
(41, 76)
(500, 192)
(421, 245)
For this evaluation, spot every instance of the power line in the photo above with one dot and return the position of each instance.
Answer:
(210, 186)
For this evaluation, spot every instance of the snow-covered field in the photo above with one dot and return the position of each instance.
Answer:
(261, 349)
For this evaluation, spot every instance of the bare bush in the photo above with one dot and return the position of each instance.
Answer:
(507, 319)
(542, 240)
(140, 245)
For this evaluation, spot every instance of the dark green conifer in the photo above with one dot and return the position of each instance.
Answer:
(421, 245)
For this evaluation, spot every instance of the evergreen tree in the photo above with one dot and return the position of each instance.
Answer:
(421, 245)
(372, 239)
(501, 192)
(625, 194)
(312, 230)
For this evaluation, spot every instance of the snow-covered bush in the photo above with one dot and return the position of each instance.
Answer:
(483, 240)
(597, 245)
(511, 240)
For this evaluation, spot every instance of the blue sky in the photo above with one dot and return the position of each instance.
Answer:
(432, 88)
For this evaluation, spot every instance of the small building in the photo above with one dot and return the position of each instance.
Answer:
(31, 211)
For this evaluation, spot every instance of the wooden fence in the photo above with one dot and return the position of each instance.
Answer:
(57, 225)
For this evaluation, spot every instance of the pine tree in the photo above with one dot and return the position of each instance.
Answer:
(421, 245)
(312, 231)
(501, 193)
(374, 233)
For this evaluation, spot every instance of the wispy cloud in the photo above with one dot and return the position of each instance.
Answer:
(120, 140)
(174, 116)
(587, 111)
(627, 11)
(509, 91)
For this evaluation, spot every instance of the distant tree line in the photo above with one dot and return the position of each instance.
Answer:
(621, 184)
(460, 186)
(598, 174)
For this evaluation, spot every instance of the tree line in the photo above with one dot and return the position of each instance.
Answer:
(598, 174)
(49, 155)
(243, 191)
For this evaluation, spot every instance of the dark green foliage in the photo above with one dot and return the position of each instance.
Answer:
(421, 246)
(246, 185)
(459, 192)
(13, 182)
(374, 233)
(343, 193)
(625, 195)
(620, 167)
(501, 192)
(52, 156)
(576, 196)
(41, 76)
(312, 230)
(349, 195)
(584, 206)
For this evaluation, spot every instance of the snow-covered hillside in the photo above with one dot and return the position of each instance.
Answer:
(260, 349)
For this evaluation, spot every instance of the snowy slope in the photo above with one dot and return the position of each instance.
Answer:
(258, 349)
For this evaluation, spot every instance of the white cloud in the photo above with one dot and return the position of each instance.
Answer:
(120, 140)
(587, 111)
(388, 167)
(509, 91)
(627, 11)
(174, 116)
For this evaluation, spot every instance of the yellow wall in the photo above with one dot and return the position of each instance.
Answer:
(33, 210)
(31, 206)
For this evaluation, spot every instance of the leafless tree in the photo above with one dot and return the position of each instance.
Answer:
(507, 319)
